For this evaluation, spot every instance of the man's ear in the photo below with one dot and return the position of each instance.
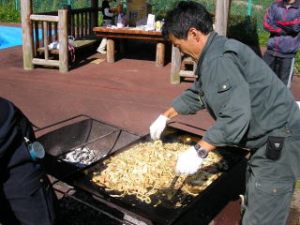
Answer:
(194, 33)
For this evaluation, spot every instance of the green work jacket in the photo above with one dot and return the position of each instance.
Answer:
(240, 92)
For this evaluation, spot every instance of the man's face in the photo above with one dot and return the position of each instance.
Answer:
(289, 1)
(189, 46)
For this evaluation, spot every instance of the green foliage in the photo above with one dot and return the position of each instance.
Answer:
(298, 185)
(100, 19)
(53, 5)
(160, 7)
(81, 4)
(297, 63)
(263, 37)
(8, 13)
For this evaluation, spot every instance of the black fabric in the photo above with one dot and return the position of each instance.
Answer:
(274, 147)
(3, 111)
(37, 207)
(7, 124)
(105, 4)
(25, 195)
(15, 127)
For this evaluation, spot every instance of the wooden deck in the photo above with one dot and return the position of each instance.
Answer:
(129, 93)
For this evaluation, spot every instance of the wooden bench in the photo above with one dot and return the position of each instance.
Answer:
(45, 28)
(78, 45)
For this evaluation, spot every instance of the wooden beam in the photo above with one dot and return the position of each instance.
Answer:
(63, 40)
(110, 50)
(175, 65)
(46, 18)
(27, 47)
(160, 54)
(221, 17)
(45, 62)
(45, 27)
(68, 7)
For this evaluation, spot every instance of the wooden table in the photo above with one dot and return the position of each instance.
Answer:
(113, 34)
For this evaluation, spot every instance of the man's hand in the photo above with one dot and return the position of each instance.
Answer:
(188, 162)
(158, 126)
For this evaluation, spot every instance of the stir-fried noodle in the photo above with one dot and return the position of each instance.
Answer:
(147, 168)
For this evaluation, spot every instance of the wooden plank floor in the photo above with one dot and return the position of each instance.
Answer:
(129, 93)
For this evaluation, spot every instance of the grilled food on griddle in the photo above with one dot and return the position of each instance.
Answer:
(147, 168)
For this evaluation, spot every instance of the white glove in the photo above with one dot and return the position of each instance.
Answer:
(188, 162)
(158, 126)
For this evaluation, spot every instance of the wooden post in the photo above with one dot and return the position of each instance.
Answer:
(175, 65)
(160, 54)
(63, 40)
(94, 16)
(110, 51)
(68, 8)
(27, 47)
(45, 26)
(222, 12)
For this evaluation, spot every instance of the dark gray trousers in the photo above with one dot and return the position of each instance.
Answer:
(270, 183)
(280, 65)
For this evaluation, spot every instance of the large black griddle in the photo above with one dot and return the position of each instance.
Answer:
(109, 140)
(86, 132)
(165, 213)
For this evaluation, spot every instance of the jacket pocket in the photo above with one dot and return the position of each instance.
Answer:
(224, 86)
(274, 147)
(275, 187)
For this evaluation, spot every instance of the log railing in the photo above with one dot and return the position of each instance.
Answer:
(82, 22)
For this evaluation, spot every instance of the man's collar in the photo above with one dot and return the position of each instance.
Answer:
(208, 43)
(210, 38)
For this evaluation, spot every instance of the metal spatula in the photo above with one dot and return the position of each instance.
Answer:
(171, 189)
(174, 181)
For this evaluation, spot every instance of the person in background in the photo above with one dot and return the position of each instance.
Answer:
(26, 198)
(251, 107)
(282, 20)
(108, 19)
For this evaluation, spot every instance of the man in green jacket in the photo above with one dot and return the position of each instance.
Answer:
(252, 109)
